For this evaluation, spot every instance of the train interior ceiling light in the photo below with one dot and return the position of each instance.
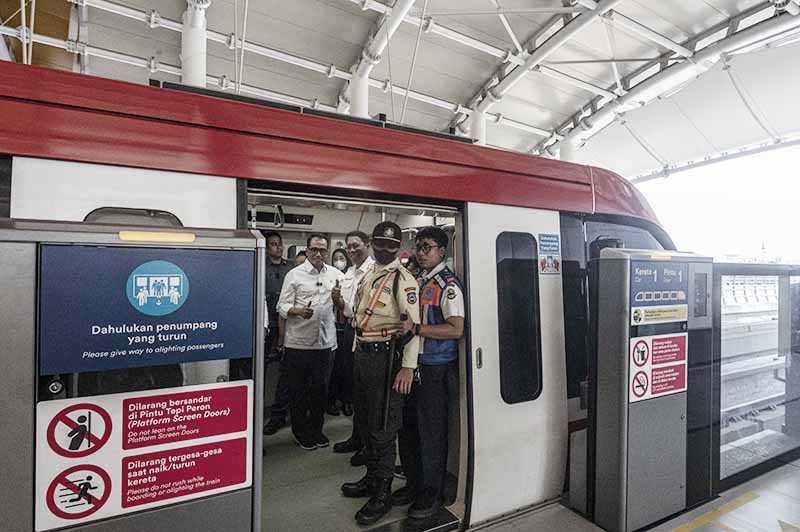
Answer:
(667, 85)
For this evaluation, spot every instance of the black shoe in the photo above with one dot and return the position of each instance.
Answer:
(273, 425)
(425, 505)
(359, 459)
(404, 495)
(333, 409)
(347, 446)
(347, 409)
(321, 441)
(378, 505)
(305, 445)
(364, 487)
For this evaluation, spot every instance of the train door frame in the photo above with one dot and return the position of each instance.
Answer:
(547, 221)
(459, 508)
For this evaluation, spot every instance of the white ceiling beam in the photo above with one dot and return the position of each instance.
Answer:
(221, 82)
(621, 21)
(677, 75)
(572, 80)
(372, 51)
(544, 51)
(430, 26)
(553, 24)
(507, 26)
(155, 20)
(561, 10)
(224, 83)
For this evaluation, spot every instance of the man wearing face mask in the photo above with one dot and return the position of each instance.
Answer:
(383, 300)
(340, 386)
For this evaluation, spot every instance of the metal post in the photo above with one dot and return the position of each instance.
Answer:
(193, 43)
(567, 152)
(477, 127)
(359, 96)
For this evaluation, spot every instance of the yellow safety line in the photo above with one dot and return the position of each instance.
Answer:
(713, 515)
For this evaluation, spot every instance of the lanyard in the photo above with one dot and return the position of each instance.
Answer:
(374, 301)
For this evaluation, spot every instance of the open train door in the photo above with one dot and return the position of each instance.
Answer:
(517, 364)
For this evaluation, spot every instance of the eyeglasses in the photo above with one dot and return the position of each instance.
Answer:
(385, 247)
(317, 251)
(426, 248)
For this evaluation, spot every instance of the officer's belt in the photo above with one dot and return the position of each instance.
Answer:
(374, 347)
(378, 333)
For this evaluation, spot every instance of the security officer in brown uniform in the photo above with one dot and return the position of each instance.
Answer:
(384, 366)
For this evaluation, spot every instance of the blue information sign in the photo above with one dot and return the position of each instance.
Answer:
(105, 308)
(655, 283)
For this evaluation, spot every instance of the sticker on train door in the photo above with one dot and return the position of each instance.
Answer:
(549, 253)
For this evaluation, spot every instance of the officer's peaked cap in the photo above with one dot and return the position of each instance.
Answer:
(388, 231)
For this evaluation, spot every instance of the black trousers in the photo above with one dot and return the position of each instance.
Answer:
(341, 385)
(280, 405)
(308, 373)
(370, 389)
(426, 418)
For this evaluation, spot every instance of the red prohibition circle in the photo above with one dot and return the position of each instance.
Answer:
(61, 416)
(62, 479)
(643, 391)
(646, 350)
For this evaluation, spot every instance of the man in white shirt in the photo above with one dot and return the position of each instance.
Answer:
(307, 303)
(358, 244)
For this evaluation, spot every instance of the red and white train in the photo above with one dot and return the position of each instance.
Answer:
(79, 148)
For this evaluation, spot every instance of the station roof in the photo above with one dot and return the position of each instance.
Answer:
(638, 86)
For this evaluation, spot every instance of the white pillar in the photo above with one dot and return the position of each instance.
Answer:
(568, 151)
(359, 96)
(193, 43)
(477, 127)
(5, 53)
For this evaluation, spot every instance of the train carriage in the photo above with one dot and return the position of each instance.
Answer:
(82, 149)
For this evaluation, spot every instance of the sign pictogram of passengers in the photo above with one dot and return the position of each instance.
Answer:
(157, 288)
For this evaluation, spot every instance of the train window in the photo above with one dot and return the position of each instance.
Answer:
(5, 186)
(518, 317)
(574, 288)
(632, 237)
(126, 216)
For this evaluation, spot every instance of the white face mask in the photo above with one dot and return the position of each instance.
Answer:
(340, 264)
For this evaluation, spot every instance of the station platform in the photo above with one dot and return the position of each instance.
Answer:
(769, 503)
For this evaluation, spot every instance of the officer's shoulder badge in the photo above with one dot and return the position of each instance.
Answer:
(451, 293)
(411, 297)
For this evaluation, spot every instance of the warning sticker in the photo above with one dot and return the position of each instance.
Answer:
(658, 366)
(549, 253)
(79, 430)
(97, 457)
(169, 474)
(78, 492)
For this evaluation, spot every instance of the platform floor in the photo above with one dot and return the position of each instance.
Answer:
(769, 503)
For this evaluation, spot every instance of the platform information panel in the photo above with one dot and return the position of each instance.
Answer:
(109, 309)
(658, 295)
